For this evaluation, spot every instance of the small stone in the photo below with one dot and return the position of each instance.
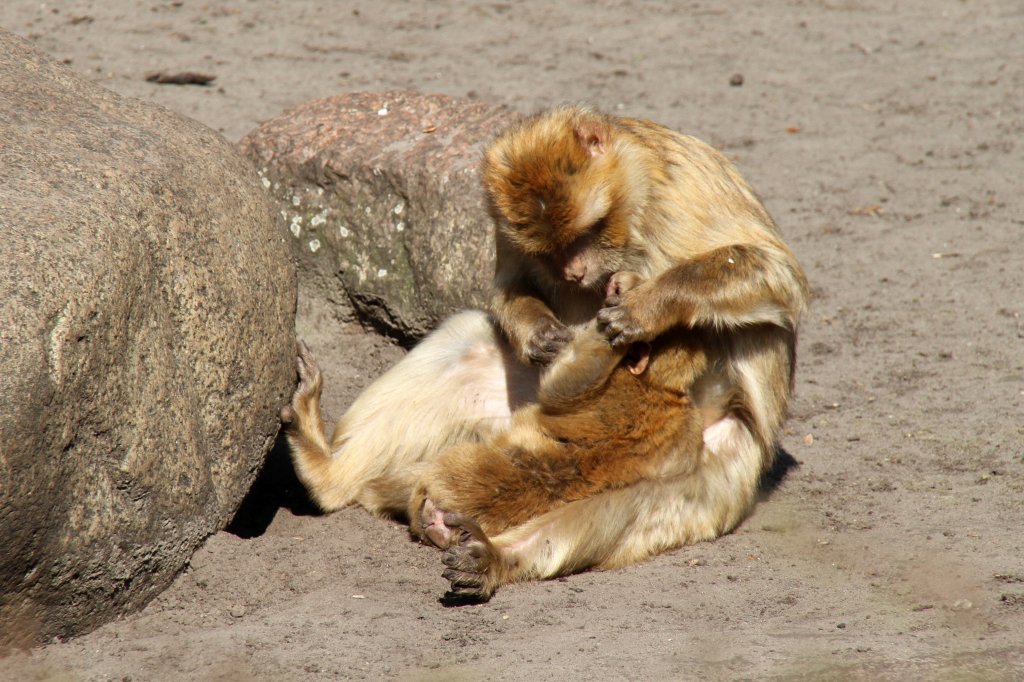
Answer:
(736, 80)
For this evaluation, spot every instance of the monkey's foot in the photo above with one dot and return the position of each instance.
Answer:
(307, 393)
(474, 563)
(432, 521)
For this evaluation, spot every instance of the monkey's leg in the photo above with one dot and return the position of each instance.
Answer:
(617, 527)
(529, 470)
(460, 383)
(498, 483)
(304, 425)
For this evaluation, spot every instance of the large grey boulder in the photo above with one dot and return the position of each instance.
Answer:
(146, 343)
(381, 193)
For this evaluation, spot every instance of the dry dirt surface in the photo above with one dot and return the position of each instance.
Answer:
(886, 138)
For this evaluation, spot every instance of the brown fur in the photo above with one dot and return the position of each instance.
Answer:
(578, 440)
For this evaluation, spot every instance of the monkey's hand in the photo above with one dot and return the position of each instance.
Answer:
(548, 337)
(475, 565)
(623, 320)
(617, 319)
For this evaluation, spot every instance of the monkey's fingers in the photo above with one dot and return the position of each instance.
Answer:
(618, 326)
(618, 284)
(548, 339)
(470, 528)
(463, 558)
(464, 582)
(305, 400)
(469, 560)
(307, 367)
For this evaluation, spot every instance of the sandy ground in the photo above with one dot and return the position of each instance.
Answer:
(886, 138)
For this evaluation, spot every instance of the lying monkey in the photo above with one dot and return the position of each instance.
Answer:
(604, 418)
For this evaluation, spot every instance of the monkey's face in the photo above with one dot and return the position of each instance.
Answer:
(559, 197)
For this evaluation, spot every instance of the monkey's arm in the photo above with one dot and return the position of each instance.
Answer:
(584, 367)
(533, 330)
(731, 286)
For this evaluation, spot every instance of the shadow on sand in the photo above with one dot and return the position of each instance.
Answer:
(278, 487)
(275, 487)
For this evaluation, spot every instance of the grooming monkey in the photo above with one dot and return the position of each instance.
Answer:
(578, 196)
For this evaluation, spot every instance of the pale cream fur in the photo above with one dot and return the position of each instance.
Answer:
(450, 388)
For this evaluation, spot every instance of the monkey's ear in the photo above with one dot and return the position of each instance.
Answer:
(593, 136)
(637, 357)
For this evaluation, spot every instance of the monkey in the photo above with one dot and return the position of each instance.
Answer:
(577, 196)
(383, 485)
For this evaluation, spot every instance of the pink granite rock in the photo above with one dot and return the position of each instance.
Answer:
(381, 195)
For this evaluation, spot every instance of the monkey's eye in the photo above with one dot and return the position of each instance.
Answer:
(599, 226)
